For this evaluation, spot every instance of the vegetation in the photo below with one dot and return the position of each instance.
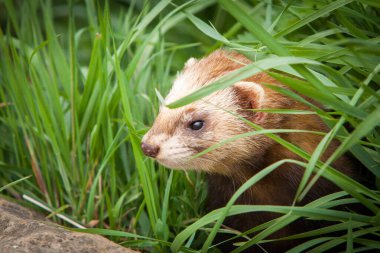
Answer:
(78, 85)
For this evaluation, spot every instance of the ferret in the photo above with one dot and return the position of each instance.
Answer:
(179, 134)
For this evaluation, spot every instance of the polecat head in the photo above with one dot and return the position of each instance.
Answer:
(179, 134)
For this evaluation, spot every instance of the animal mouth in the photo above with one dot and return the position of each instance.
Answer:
(176, 162)
(168, 163)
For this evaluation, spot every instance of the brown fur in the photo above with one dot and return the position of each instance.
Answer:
(232, 164)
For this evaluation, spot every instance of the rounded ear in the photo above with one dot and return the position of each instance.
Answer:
(190, 62)
(250, 96)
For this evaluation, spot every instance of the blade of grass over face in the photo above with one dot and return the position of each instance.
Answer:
(238, 75)
(249, 134)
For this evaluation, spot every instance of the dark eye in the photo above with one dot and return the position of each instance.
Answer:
(196, 125)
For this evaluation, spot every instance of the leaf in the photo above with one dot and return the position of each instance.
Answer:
(238, 75)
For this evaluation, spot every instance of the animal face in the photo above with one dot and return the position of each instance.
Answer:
(179, 134)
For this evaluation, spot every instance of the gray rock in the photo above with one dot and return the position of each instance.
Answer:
(24, 231)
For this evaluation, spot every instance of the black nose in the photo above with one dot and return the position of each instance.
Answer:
(150, 150)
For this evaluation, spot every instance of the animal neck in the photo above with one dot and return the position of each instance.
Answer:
(276, 188)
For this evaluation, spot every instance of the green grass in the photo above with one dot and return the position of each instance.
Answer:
(78, 88)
